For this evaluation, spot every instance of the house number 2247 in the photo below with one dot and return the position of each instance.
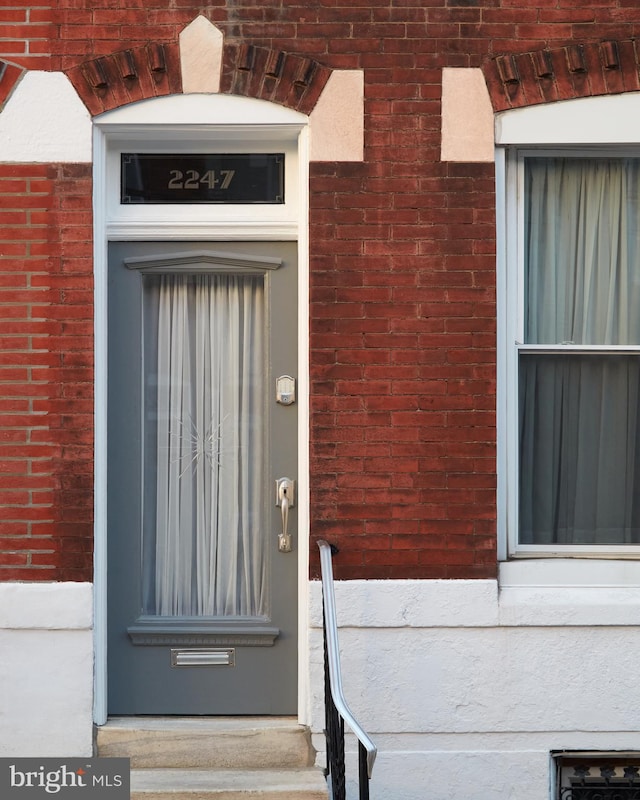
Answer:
(192, 179)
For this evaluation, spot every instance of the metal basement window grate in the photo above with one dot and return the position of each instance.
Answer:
(597, 776)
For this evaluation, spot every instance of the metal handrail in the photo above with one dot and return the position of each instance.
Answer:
(333, 655)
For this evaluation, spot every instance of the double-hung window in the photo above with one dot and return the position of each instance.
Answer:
(572, 351)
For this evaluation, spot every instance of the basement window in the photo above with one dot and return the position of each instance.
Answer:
(597, 776)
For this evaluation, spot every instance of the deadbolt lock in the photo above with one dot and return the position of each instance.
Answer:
(285, 390)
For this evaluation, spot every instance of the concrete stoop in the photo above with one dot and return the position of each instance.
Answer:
(205, 758)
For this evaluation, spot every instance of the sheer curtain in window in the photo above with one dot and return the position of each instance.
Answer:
(203, 548)
(579, 427)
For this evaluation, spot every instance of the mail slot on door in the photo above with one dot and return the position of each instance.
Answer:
(203, 657)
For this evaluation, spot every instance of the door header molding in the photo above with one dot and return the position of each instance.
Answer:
(203, 261)
(198, 109)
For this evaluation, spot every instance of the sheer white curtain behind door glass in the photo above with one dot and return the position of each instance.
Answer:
(204, 476)
(579, 411)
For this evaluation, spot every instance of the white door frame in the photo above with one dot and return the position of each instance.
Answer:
(147, 126)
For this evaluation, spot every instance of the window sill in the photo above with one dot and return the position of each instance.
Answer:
(569, 592)
(583, 570)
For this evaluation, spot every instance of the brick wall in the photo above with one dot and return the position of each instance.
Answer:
(402, 277)
(27, 32)
(46, 410)
(403, 364)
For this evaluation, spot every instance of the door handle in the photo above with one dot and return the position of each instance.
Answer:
(285, 497)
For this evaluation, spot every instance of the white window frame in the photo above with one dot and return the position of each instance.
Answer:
(593, 127)
(512, 344)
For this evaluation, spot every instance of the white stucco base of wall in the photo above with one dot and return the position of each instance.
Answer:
(46, 669)
(467, 689)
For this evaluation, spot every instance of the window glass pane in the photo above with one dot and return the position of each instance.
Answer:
(582, 251)
(204, 550)
(579, 449)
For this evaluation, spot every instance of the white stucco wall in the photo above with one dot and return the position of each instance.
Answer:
(46, 669)
(45, 121)
(466, 689)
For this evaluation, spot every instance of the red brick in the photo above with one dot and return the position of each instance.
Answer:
(402, 270)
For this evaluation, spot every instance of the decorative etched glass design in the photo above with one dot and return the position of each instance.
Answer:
(204, 552)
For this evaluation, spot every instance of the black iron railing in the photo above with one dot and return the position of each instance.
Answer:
(337, 712)
(599, 777)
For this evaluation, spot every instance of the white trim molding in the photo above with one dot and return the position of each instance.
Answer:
(609, 119)
(46, 606)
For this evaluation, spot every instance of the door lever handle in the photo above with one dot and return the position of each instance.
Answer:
(285, 496)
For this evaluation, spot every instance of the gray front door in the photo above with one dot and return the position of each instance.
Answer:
(201, 584)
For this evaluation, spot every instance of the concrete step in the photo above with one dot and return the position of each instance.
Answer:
(224, 784)
(207, 742)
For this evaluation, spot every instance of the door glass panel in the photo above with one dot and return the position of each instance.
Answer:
(204, 474)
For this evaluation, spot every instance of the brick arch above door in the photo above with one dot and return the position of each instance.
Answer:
(574, 71)
(154, 70)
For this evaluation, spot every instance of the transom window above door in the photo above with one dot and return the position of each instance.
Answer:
(571, 350)
(229, 165)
